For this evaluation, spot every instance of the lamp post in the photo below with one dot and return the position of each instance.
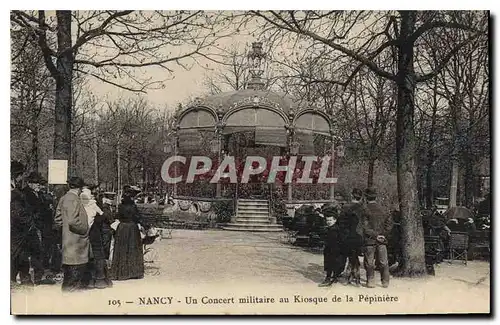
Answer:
(294, 150)
(216, 147)
(256, 59)
(339, 151)
(96, 152)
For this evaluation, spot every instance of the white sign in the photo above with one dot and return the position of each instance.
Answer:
(58, 172)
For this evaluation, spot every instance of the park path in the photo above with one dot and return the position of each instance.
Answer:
(232, 257)
(220, 263)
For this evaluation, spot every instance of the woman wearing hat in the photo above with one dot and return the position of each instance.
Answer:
(128, 259)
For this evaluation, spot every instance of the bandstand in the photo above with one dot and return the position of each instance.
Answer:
(253, 121)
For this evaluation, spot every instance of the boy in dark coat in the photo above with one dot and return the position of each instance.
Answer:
(334, 260)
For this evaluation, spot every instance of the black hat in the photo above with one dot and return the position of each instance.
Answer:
(35, 177)
(370, 193)
(127, 191)
(76, 182)
(16, 168)
(329, 210)
(357, 193)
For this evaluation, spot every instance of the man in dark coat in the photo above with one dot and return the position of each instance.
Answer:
(47, 220)
(377, 225)
(334, 260)
(352, 235)
(21, 225)
(35, 209)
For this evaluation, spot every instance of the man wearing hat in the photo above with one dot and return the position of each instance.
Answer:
(352, 236)
(377, 225)
(36, 211)
(72, 218)
(21, 225)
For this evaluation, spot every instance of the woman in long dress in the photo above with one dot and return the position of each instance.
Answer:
(128, 258)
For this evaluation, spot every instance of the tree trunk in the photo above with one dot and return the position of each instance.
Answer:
(129, 169)
(371, 167)
(96, 155)
(429, 193)
(454, 110)
(470, 185)
(469, 163)
(118, 171)
(96, 164)
(74, 158)
(34, 148)
(65, 60)
(412, 250)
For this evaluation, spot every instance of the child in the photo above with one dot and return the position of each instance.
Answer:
(334, 261)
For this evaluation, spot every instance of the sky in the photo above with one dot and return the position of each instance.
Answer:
(183, 84)
(187, 83)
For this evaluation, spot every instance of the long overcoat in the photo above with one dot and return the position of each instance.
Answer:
(71, 216)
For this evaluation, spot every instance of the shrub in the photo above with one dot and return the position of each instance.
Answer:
(278, 209)
(224, 210)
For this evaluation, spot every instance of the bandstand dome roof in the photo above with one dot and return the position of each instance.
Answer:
(234, 111)
(228, 100)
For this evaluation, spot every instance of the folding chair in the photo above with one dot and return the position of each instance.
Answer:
(459, 244)
(432, 248)
(432, 252)
(481, 243)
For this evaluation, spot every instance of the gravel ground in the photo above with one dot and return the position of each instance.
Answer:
(218, 264)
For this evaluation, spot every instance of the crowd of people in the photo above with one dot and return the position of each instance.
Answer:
(358, 228)
(79, 235)
(84, 237)
(364, 228)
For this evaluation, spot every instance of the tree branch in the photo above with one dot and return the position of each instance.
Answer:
(44, 46)
(436, 24)
(445, 60)
(113, 83)
(365, 61)
(88, 35)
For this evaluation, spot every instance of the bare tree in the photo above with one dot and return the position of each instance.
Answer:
(111, 45)
(464, 84)
(368, 107)
(431, 132)
(31, 96)
(231, 74)
(363, 36)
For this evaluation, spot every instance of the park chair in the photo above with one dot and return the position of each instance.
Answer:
(481, 244)
(458, 246)
(316, 241)
(433, 252)
(288, 227)
(301, 235)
